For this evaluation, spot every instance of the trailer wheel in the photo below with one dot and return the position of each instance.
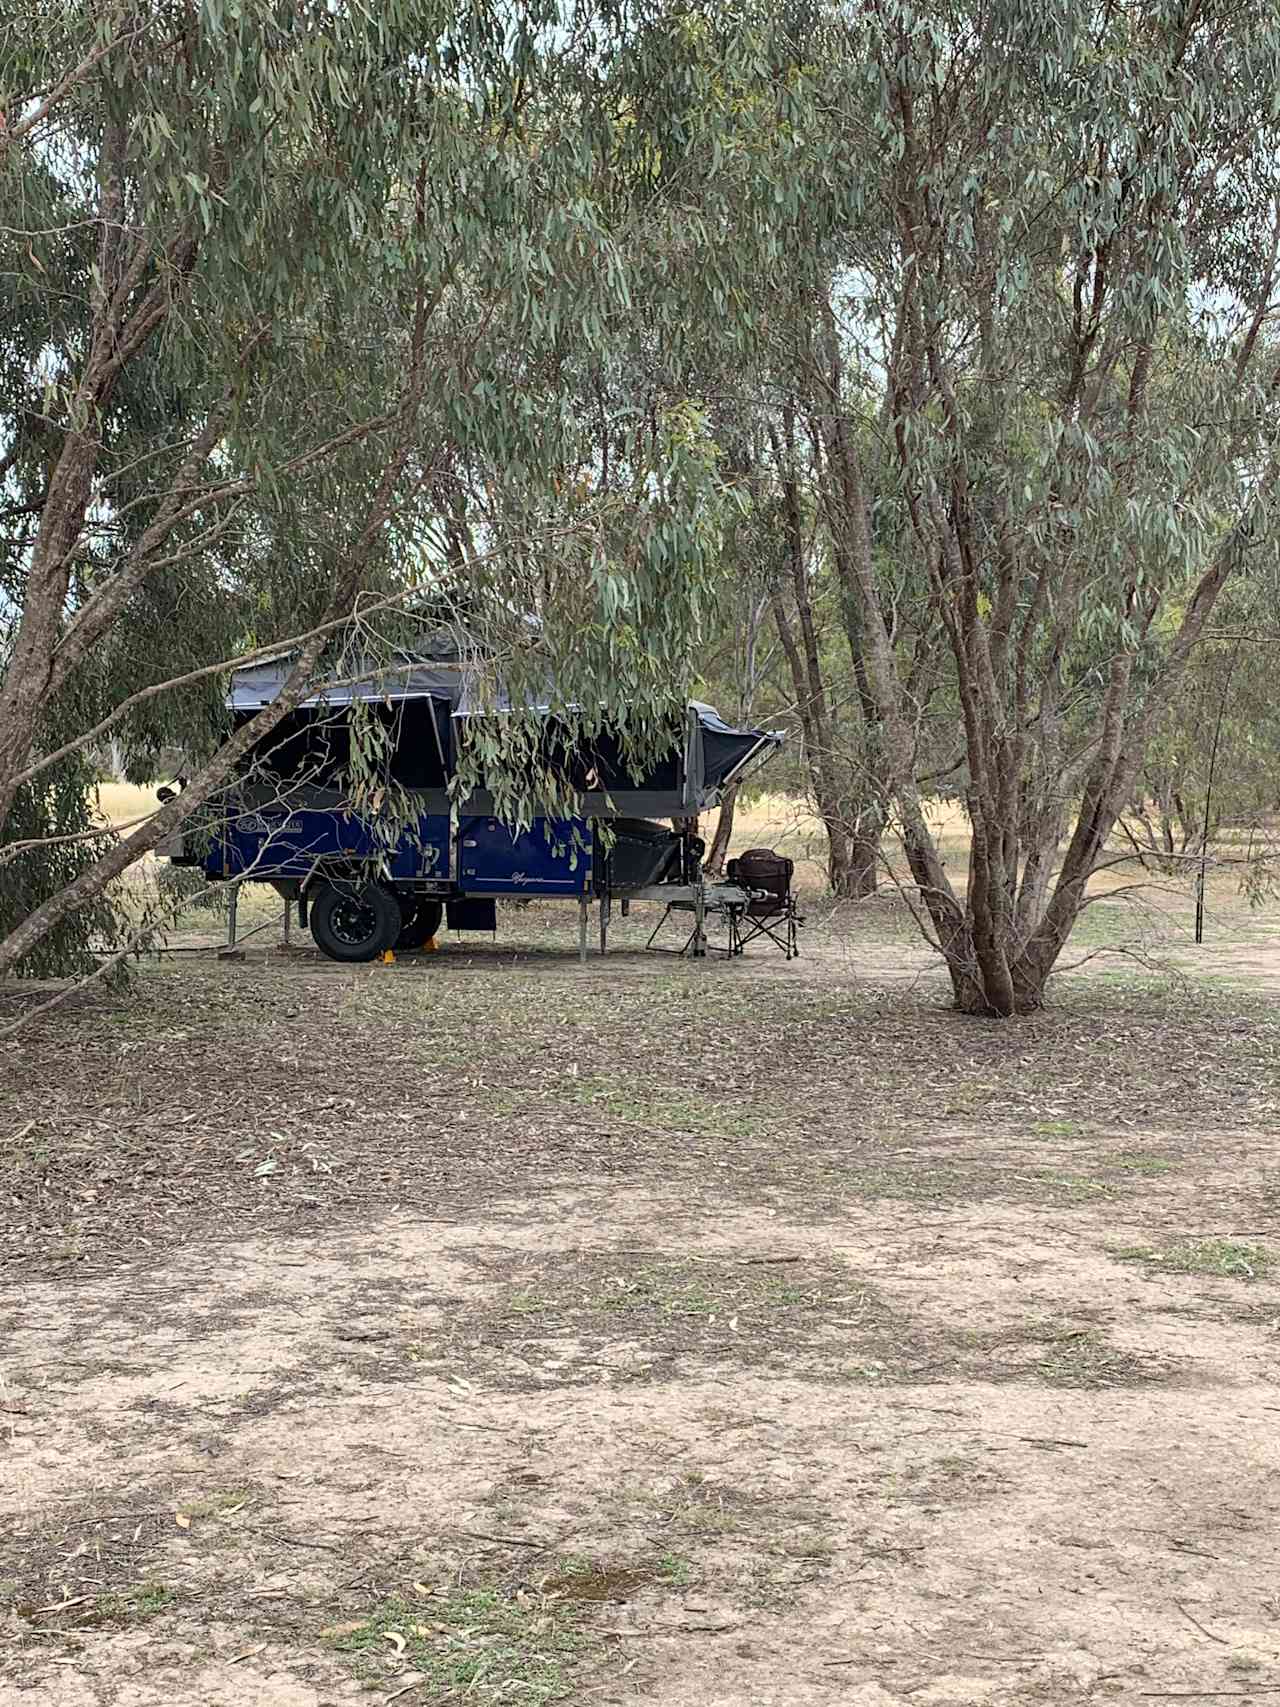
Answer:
(421, 925)
(354, 921)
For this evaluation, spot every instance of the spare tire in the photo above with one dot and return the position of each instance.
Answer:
(354, 921)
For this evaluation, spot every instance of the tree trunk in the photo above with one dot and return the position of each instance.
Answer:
(714, 865)
(894, 734)
(25, 681)
(853, 862)
(830, 778)
(212, 775)
(864, 859)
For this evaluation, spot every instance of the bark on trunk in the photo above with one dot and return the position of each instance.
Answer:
(864, 862)
(853, 867)
(26, 677)
(830, 777)
(719, 850)
(210, 777)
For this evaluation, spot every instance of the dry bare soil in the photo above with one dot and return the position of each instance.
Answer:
(489, 1329)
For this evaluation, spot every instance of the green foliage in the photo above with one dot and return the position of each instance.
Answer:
(1215, 752)
(57, 815)
(517, 170)
(254, 225)
(1006, 261)
(183, 891)
(1032, 360)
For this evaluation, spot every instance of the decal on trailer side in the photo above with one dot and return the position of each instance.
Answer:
(255, 825)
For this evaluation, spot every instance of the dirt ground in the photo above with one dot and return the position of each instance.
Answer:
(486, 1328)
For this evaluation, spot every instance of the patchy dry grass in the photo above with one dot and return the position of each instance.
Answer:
(560, 1320)
(422, 1085)
(122, 803)
(1092, 1360)
(593, 1582)
(1229, 1259)
(491, 1330)
(131, 1605)
(1074, 1188)
(1056, 1128)
(681, 1287)
(470, 1642)
(1143, 1162)
(1047, 1352)
(645, 1106)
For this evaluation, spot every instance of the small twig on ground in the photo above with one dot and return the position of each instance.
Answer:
(1003, 1659)
(508, 1540)
(1048, 1440)
(740, 1262)
(1199, 1626)
(1175, 1543)
(115, 1516)
(64, 1630)
(294, 1540)
(1208, 1694)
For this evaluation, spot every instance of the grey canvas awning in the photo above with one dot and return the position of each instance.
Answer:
(689, 781)
(258, 684)
(726, 751)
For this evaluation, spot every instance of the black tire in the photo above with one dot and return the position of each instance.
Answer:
(354, 922)
(421, 925)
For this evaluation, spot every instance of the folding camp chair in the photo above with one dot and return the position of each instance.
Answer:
(771, 911)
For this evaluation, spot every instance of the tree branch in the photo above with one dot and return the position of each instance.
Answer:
(13, 133)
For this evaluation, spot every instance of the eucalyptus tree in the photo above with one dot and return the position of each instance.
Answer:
(804, 606)
(280, 275)
(1052, 296)
(1213, 761)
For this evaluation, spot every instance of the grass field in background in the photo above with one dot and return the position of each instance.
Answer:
(121, 803)
(770, 819)
(1134, 906)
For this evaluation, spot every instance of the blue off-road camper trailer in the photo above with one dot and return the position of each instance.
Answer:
(368, 883)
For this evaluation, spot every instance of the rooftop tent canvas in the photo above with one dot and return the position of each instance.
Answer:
(689, 780)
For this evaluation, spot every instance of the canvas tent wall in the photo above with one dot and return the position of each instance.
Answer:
(423, 702)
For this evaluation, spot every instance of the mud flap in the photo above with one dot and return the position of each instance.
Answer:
(471, 913)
